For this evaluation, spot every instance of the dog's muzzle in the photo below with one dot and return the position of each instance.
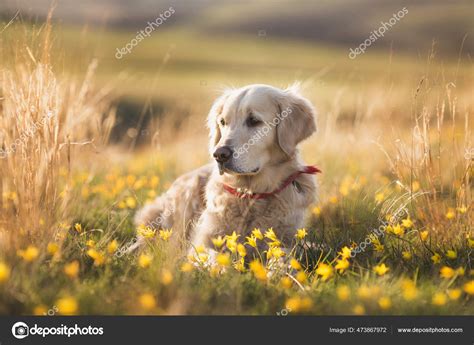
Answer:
(222, 155)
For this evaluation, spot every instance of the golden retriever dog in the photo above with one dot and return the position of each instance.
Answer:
(257, 179)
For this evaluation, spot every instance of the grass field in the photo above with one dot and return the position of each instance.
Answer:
(395, 133)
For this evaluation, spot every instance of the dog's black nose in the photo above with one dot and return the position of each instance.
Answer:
(222, 154)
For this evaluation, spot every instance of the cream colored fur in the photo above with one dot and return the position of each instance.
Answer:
(198, 208)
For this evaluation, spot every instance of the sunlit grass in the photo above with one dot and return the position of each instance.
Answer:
(67, 202)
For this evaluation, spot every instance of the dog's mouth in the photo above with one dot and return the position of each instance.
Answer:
(225, 168)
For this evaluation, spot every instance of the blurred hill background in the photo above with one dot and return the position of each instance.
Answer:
(207, 45)
(340, 22)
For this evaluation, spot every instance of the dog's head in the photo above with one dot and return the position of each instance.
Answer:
(256, 126)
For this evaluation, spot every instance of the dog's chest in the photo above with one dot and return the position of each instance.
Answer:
(246, 214)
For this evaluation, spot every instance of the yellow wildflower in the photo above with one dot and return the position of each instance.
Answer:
(406, 255)
(257, 234)
(306, 303)
(286, 282)
(98, 257)
(424, 235)
(218, 242)
(379, 197)
(186, 267)
(166, 277)
(40, 310)
(144, 260)
(29, 254)
(364, 292)
(298, 304)
(398, 230)
(384, 303)
(345, 252)
(343, 292)
(358, 309)
(72, 269)
(232, 237)
(251, 241)
(295, 264)
(231, 242)
(325, 271)
(293, 304)
(90, 243)
(147, 301)
(379, 247)
(258, 270)
(450, 214)
(333, 199)
(223, 259)
(154, 181)
(470, 242)
(78, 227)
(439, 299)
(409, 290)
(203, 257)
(381, 269)
(301, 277)
(469, 287)
(454, 294)
(52, 248)
(241, 250)
(270, 234)
(4, 272)
(275, 252)
(301, 234)
(407, 223)
(112, 247)
(130, 202)
(240, 265)
(451, 254)
(342, 265)
(67, 306)
(165, 234)
(446, 272)
(316, 210)
(145, 231)
(231, 245)
(462, 209)
(436, 258)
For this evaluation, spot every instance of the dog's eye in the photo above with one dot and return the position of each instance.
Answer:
(252, 121)
(222, 122)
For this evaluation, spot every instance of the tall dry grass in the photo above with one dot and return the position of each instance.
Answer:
(44, 118)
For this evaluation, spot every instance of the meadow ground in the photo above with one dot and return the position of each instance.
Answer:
(394, 143)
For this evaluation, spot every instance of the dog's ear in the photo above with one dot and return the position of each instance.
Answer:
(214, 131)
(299, 122)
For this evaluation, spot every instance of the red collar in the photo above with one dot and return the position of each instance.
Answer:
(309, 169)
